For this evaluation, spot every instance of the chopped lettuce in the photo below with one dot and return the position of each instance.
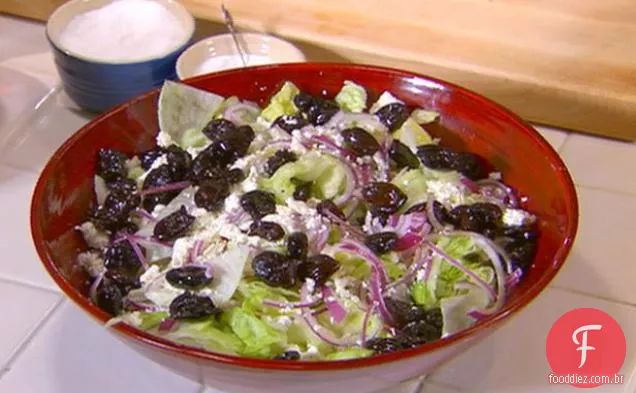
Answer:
(193, 138)
(394, 269)
(208, 334)
(413, 184)
(327, 173)
(151, 320)
(182, 107)
(455, 309)
(422, 116)
(352, 266)
(253, 293)
(282, 103)
(443, 278)
(352, 97)
(350, 353)
(412, 135)
(258, 337)
(228, 102)
(228, 271)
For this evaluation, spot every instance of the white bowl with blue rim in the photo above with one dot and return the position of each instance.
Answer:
(100, 81)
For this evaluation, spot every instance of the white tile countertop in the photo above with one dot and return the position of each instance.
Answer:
(47, 345)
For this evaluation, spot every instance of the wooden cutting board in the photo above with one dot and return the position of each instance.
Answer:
(566, 63)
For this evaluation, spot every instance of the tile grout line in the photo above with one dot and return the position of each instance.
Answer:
(608, 190)
(6, 367)
(29, 285)
(593, 296)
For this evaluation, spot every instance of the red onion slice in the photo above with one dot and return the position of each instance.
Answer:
(92, 291)
(168, 324)
(375, 292)
(145, 214)
(365, 323)
(495, 189)
(165, 188)
(430, 214)
(408, 241)
(320, 331)
(336, 311)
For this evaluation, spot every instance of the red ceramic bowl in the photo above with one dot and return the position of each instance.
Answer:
(527, 162)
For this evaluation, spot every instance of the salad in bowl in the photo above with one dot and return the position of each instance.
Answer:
(308, 229)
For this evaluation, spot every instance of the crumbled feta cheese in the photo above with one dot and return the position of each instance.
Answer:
(232, 203)
(311, 285)
(280, 323)
(149, 275)
(495, 175)
(91, 262)
(250, 183)
(515, 217)
(164, 139)
(94, 237)
(157, 209)
(447, 193)
(382, 166)
(181, 251)
(312, 350)
(296, 144)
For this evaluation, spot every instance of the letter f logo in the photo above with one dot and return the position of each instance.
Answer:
(583, 344)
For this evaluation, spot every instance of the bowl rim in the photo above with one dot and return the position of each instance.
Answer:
(509, 309)
(299, 56)
(190, 26)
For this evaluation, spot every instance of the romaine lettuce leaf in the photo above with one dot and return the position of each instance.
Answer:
(207, 334)
(349, 353)
(253, 293)
(412, 135)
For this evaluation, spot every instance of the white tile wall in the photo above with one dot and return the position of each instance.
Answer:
(46, 347)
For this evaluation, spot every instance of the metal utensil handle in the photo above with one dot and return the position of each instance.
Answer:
(229, 21)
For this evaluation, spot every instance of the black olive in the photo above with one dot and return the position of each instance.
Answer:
(393, 115)
(288, 355)
(420, 332)
(179, 161)
(383, 345)
(270, 231)
(212, 193)
(258, 203)
(276, 270)
(121, 257)
(218, 128)
(318, 268)
(439, 210)
(124, 282)
(108, 297)
(403, 156)
(279, 159)
(303, 101)
(403, 312)
(360, 142)
(381, 243)
(235, 176)
(476, 217)
(189, 277)
(148, 157)
(124, 186)
(111, 165)
(173, 225)
(297, 245)
(317, 109)
(385, 198)
(113, 213)
(303, 191)
(209, 164)
(291, 123)
(158, 177)
(441, 158)
(191, 306)
(328, 209)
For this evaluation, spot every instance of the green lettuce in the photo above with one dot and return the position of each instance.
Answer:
(442, 280)
(259, 338)
(208, 334)
(349, 353)
(282, 103)
(352, 97)
(327, 174)
(252, 294)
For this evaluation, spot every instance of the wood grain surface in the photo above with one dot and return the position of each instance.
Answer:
(566, 63)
